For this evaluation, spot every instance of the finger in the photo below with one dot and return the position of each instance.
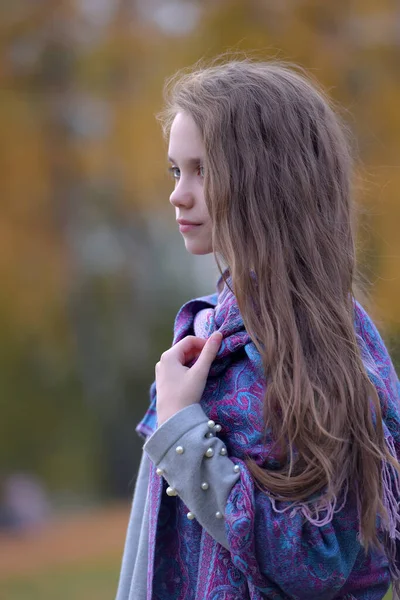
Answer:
(208, 354)
(191, 352)
(185, 350)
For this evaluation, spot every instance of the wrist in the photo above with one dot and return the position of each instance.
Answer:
(165, 414)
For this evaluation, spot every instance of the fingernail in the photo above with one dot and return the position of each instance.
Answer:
(216, 337)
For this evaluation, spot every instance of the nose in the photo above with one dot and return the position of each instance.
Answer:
(181, 196)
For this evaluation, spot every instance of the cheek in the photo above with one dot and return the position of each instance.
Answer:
(203, 203)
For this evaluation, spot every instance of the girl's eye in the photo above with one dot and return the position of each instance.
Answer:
(175, 172)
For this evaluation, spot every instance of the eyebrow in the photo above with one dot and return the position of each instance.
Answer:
(188, 161)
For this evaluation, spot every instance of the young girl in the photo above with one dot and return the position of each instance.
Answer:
(270, 464)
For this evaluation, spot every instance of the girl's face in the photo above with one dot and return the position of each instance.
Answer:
(186, 155)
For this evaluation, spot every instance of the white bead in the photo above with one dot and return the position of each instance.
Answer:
(209, 434)
(179, 450)
(159, 472)
(171, 491)
(218, 428)
(190, 516)
(209, 453)
(219, 514)
(211, 424)
(204, 485)
(236, 469)
(223, 452)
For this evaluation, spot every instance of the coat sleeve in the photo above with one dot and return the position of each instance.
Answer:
(194, 462)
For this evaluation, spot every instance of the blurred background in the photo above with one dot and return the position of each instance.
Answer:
(92, 266)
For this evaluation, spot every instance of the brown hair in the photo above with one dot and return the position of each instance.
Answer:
(278, 172)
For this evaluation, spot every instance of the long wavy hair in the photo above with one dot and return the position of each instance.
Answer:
(278, 174)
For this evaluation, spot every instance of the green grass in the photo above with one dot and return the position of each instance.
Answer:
(87, 582)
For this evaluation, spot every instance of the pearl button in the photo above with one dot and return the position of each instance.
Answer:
(159, 472)
(209, 434)
(223, 452)
(219, 514)
(204, 485)
(218, 428)
(236, 469)
(209, 453)
(190, 516)
(171, 491)
(211, 424)
(179, 450)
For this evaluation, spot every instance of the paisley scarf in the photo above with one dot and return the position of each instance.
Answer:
(185, 562)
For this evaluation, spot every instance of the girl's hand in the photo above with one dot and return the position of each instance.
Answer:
(179, 386)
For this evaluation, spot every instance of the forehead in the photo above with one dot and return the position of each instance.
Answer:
(185, 140)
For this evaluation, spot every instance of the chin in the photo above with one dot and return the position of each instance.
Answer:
(198, 249)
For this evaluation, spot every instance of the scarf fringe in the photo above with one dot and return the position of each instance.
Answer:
(391, 525)
(395, 590)
(317, 512)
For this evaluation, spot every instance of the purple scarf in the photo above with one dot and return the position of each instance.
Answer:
(274, 546)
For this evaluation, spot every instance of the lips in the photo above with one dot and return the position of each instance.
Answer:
(186, 227)
(185, 222)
